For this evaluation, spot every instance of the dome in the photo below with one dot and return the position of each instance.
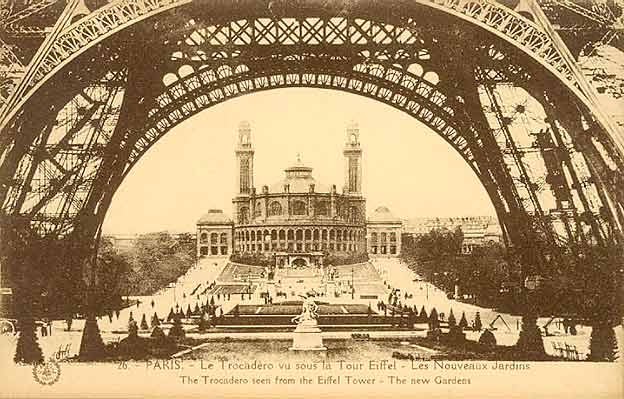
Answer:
(383, 215)
(299, 178)
(214, 216)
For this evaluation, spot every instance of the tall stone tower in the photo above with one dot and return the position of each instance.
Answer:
(353, 160)
(244, 159)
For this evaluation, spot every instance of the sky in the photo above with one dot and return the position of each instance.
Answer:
(406, 166)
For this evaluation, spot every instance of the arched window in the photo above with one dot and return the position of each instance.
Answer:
(243, 215)
(308, 234)
(299, 208)
(258, 210)
(332, 234)
(275, 209)
(253, 236)
(223, 238)
(282, 235)
(274, 235)
(373, 237)
(204, 237)
(316, 234)
(214, 238)
(291, 235)
(383, 237)
(324, 235)
(393, 237)
(299, 234)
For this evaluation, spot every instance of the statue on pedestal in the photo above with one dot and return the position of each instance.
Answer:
(308, 313)
(307, 335)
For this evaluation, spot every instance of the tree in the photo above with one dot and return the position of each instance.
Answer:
(530, 342)
(189, 313)
(158, 334)
(155, 260)
(487, 338)
(177, 331)
(28, 349)
(196, 310)
(451, 319)
(155, 320)
(434, 321)
(171, 315)
(144, 325)
(478, 326)
(203, 324)
(463, 323)
(133, 329)
(603, 344)
(91, 345)
(423, 317)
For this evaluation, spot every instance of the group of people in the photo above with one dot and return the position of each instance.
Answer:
(46, 328)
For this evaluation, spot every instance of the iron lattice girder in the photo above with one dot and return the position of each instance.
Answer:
(370, 79)
(391, 85)
(487, 14)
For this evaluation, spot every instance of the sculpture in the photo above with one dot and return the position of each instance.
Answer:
(308, 313)
(307, 335)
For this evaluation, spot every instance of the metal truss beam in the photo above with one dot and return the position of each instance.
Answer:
(485, 14)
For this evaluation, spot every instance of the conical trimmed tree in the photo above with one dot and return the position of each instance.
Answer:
(157, 333)
(171, 315)
(28, 349)
(478, 325)
(434, 321)
(177, 331)
(463, 322)
(91, 346)
(144, 325)
(487, 338)
(196, 311)
(451, 319)
(133, 329)
(530, 343)
(603, 344)
(423, 317)
(155, 320)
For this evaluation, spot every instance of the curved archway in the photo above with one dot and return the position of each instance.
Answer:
(479, 45)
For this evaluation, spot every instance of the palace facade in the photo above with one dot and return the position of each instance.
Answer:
(297, 219)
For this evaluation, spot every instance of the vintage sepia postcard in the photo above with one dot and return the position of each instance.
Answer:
(311, 198)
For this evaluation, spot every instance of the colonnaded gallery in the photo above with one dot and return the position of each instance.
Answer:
(298, 219)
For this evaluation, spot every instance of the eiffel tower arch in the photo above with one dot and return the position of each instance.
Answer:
(498, 84)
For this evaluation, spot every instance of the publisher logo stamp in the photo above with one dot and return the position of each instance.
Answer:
(47, 373)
